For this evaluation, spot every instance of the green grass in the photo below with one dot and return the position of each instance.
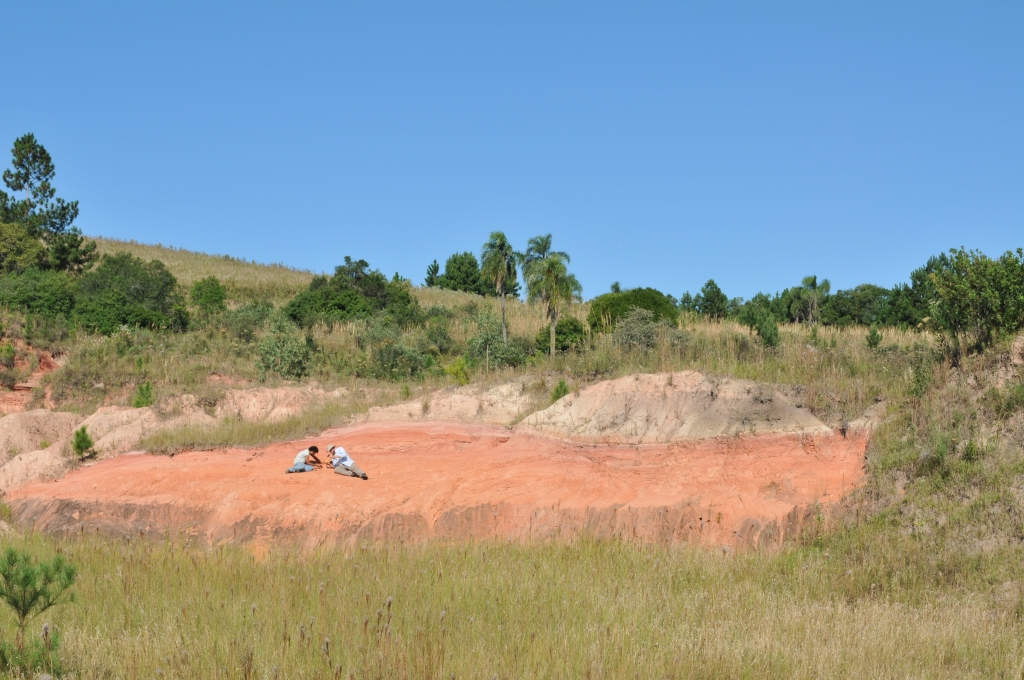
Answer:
(590, 609)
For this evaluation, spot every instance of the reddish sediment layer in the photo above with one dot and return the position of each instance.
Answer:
(458, 481)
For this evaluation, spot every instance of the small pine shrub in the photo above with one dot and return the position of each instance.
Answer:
(459, 371)
(284, 351)
(768, 330)
(561, 389)
(7, 355)
(143, 395)
(874, 338)
(82, 444)
(30, 588)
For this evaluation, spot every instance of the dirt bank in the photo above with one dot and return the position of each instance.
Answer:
(458, 481)
(661, 408)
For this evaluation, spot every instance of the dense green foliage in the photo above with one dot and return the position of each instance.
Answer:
(45, 218)
(125, 291)
(354, 292)
(48, 293)
(462, 272)
(606, 309)
(570, 336)
(209, 295)
(711, 301)
(82, 444)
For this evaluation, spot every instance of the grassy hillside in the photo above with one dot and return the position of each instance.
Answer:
(917, 574)
(244, 280)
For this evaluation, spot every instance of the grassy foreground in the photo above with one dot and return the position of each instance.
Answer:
(587, 610)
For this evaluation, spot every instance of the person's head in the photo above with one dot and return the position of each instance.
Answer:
(331, 448)
(314, 449)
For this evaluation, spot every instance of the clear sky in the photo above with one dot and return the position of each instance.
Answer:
(661, 144)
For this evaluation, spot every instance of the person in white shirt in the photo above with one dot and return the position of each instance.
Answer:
(303, 458)
(343, 463)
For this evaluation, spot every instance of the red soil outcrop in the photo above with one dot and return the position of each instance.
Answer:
(462, 481)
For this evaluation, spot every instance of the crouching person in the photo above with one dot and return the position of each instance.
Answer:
(343, 463)
(303, 460)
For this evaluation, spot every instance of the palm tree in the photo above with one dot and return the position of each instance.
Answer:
(498, 264)
(548, 280)
(810, 296)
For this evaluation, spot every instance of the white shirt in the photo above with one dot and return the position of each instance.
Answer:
(341, 457)
(301, 458)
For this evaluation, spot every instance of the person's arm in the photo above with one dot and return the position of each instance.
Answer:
(315, 459)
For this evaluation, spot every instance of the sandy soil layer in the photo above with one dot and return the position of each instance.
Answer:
(460, 481)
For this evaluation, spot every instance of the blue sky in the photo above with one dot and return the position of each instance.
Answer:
(661, 144)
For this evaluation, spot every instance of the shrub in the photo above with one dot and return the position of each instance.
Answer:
(605, 310)
(143, 395)
(874, 338)
(7, 355)
(979, 298)
(82, 444)
(284, 351)
(561, 389)
(209, 295)
(354, 292)
(242, 323)
(462, 272)
(637, 330)
(30, 588)
(397, 361)
(768, 330)
(711, 301)
(47, 293)
(570, 335)
(459, 371)
(488, 346)
(125, 291)
(20, 252)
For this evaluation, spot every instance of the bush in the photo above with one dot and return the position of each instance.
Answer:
(209, 295)
(459, 371)
(242, 323)
(284, 351)
(47, 293)
(143, 395)
(711, 301)
(396, 361)
(637, 330)
(20, 252)
(82, 444)
(30, 588)
(488, 346)
(7, 355)
(979, 299)
(605, 310)
(768, 330)
(874, 338)
(125, 291)
(462, 272)
(354, 292)
(561, 389)
(570, 335)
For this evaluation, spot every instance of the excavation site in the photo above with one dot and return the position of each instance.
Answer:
(652, 458)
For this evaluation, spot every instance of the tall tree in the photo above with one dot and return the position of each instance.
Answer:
(809, 298)
(432, 269)
(548, 280)
(711, 301)
(462, 272)
(498, 265)
(41, 212)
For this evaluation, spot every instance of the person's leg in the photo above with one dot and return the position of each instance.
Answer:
(358, 471)
(342, 470)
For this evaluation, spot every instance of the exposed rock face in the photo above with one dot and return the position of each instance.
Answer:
(457, 481)
(500, 405)
(666, 407)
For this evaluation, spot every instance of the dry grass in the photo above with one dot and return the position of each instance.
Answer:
(244, 280)
(484, 610)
